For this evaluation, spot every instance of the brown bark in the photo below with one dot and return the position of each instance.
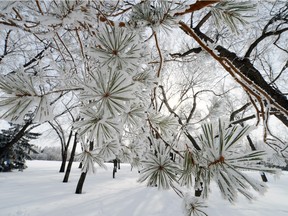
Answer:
(248, 69)
(247, 72)
(197, 6)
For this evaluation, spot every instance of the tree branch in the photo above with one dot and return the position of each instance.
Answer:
(245, 74)
(187, 134)
(234, 113)
(193, 50)
(197, 6)
(37, 57)
(160, 54)
(261, 38)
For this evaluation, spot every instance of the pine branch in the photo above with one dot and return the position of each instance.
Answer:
(281, 72)
(198, 5)
(164, 141)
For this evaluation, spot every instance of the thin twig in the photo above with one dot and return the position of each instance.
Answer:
(160, 54)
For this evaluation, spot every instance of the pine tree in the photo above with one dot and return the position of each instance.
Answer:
(15, 157)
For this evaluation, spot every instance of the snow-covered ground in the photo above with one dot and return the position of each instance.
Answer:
(39, 191)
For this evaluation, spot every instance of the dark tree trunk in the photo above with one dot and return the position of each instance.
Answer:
(80, 165)
(118, 164)
(63, 164)
(68, 170)
(248, 69)
(83, 174)
(198, 191)
(263, 176)
(114, 172)
(115, 162)
(80, 183)
(65, 153)
(253, 148)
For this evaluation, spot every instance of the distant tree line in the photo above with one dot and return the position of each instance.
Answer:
(51, 153)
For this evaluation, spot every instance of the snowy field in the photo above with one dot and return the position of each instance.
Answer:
(39, 191)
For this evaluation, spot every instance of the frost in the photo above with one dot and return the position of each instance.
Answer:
(109, 91)
(158, 169)
(89, 158)
(224, 164)
(193, 206)
(117, 48)
(95, 64)
(21, 98)
(164, 124)
(109, 150)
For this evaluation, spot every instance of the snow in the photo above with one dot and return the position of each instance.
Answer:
(39, 191)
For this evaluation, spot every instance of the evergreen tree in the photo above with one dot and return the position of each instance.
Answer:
(19, 152)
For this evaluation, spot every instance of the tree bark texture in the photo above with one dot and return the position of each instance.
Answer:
(248, 69)
(63, 163)
(80, 183)
(68, 170)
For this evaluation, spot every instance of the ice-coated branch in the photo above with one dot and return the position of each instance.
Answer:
(246, 80)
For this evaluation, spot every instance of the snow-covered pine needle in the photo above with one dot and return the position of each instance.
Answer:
(97, 127)
(108, 91)
(117, 48)
(158, 169)
(20, 98)
(89, 158)
(109, 150)
(224, 163)
(193, 206)
(231, 13)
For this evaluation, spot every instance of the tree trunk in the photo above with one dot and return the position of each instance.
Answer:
(80, 165)
(198, 191)
(66, 177)
(65, 152)
(248, 69)
(114, 167)
(63, 164)
(118, 160)
(253, 148)
(83, 174)
(80, 183)
(114, 171)
(263, 176)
